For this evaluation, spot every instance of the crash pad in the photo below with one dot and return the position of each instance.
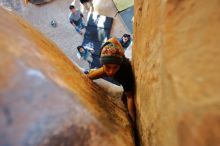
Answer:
(97, 34)
(123, 4)
(100, 21)
(127, 17)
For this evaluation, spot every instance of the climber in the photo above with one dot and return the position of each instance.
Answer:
(85, 54)
(125, 40)
(76, 19)
(115, 65)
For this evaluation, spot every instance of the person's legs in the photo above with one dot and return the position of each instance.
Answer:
(78, 29)
(86, 6)
(91, 4)
(82, 24)
(131, 108)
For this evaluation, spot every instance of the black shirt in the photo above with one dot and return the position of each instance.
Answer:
(125, 76)
(125, 45)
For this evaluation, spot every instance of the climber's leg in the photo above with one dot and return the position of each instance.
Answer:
(131, 108)
(124, 99)
(86, 6)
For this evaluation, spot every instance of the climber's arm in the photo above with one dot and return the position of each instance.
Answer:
(95, 74)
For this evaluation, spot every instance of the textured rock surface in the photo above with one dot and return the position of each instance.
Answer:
(46, 101)
(176, 62)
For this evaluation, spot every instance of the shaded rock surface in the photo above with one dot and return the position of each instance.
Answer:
(46, 101)
(176, 63)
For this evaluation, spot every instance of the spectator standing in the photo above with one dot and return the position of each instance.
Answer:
(76, 19)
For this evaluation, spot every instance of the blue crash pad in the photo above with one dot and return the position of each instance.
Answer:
(127, 16)
(95, 63)
(97, 34)
(100, 21)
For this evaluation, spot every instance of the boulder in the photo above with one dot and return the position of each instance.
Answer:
(45, 100)
(176, 64)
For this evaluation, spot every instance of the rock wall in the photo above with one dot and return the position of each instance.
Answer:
(46, 101)
(176, 64)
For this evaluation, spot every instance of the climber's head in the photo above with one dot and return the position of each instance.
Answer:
(111, 57)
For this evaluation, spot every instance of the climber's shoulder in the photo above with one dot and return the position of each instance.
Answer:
(125, 75)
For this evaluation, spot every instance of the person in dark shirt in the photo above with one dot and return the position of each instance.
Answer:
(125, 41)
(115, 65)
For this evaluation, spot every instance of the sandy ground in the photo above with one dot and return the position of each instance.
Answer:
(64, 35)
